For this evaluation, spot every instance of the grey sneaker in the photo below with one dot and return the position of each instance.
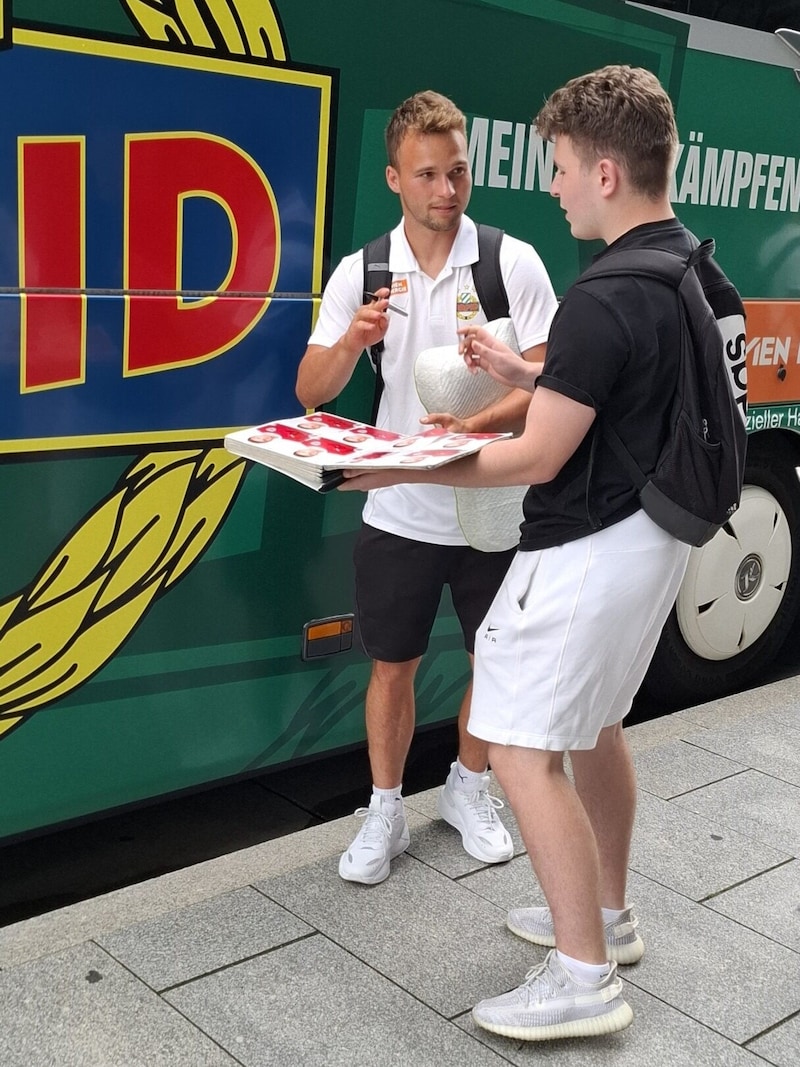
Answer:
(550, 1003)
(536, 924)
(474, 815)
(380, 839)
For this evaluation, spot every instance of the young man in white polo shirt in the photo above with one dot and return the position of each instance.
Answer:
(411, 544)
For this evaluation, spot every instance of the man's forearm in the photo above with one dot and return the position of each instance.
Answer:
(506, 414)
(324, 372)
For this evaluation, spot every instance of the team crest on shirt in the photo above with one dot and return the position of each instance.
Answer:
(467, 304)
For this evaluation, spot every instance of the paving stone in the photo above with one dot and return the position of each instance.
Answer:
(53, 931)
(780, 1045)
(783, 695)
(81, 1009)
(768, 904)
(203, 937)
(313, 1003)
(646, 735)
(658, 1036)
(508, 885)
(677, 767)
(754, 804)
(769, 743)
(709, 967)
(697, 855)
(418, 928)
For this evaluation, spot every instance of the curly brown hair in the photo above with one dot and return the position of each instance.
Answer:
(619, 112)
(424, 112)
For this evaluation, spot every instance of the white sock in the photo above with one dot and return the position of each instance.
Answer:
(390, 798)
(589, 973)
(464, 780)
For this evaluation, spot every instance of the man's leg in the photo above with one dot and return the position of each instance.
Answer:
(472, 751)
(575, 992)
(390, 727)
(390, 720)
(561, 845)
(464, 800)
(606, 784)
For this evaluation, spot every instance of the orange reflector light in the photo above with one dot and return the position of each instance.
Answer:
(326, 637)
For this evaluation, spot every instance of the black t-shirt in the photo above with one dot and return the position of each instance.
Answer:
(613, 345)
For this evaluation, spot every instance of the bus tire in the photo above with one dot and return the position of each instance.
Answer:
(740, 596)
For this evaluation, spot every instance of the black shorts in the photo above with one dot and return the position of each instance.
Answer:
(399, 584)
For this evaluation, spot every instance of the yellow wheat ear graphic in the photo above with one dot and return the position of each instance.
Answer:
(88, 598)
(245, 27)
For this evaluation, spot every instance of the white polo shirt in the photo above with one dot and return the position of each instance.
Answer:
(436, 307)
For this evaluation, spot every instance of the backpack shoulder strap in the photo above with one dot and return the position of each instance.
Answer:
(705, 250)
(376, 272)
(486, 273)
(658, 263)
(377, 276)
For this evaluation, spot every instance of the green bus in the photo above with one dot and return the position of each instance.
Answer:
(178, 178)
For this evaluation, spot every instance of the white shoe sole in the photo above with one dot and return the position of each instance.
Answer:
(610, 1023)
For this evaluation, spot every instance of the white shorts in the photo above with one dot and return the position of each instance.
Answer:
(570, 635)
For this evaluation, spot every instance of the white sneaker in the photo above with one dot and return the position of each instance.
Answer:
(474, 815)
(622, 941)
(380, 839)
(552, 1003)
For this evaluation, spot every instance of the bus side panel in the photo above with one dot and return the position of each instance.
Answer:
(155, 590)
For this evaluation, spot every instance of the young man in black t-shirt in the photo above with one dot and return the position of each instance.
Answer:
(566, 642)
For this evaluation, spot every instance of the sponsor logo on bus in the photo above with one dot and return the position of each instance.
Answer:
(163, 230)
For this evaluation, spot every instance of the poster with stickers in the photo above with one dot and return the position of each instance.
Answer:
(314, 449)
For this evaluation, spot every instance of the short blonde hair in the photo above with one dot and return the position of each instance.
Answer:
(424, 112)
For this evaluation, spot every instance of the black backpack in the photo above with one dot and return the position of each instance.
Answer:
(485, 273)
(697, 482)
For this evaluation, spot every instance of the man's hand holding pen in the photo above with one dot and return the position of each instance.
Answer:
(389, 306)
(369, 324)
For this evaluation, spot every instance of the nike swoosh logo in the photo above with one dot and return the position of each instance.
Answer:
(491, 629)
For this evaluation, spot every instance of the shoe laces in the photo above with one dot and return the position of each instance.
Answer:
(541, 983)
(376, 826)
(484, 805)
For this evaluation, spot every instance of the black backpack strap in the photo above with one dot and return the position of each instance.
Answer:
(659, 263)
(376, 276)
(486, 273)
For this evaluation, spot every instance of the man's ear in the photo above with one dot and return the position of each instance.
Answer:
(392, 179)
(609, 176)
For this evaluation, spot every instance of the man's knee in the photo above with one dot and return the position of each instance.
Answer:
(390, 674)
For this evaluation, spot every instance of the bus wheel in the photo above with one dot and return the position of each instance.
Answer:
(739, 598)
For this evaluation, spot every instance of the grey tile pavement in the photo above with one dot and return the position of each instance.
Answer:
(265, 957)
